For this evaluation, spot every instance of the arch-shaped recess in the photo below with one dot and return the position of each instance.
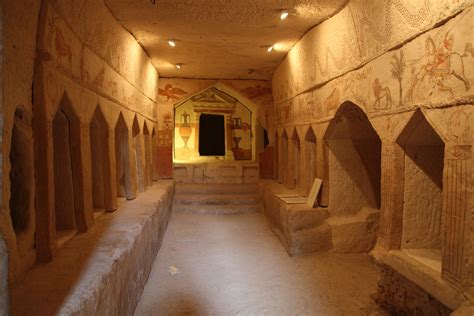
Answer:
(283, 158)
(276, 155)
(353, 161)
(148, 156)
(309, 173)
(154, 154)
(22, 211)
(122, 159)
(139, 156)
(423, 187)
(100, 162)
(67, 175)
(294, 162)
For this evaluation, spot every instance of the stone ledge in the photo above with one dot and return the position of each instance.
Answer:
(104, 271)
(303, 230)
(426, 278)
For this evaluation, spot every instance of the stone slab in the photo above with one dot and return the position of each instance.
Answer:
(104, 271)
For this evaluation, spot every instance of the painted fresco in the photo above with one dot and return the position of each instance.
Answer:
(357, 34)
(238, 121)
(435, 69)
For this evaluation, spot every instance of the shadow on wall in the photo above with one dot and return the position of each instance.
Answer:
(354, 160)
(122, 157)
(423, 192)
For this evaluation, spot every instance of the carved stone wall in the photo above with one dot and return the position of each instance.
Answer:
(396, 60)
(79, 60)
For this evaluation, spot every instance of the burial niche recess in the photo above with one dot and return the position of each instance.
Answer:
(283, 158)
(22, 181)
(295, 161)
(423, 190)
(276, 154)
(211, 135)
(139, 159)
(354, 158)
(100, 162)
(154, 154)
(66, 157)
(122, 159)
(148, 158)
(309, 160)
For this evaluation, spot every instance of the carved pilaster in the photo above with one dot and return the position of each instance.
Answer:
(456, 212)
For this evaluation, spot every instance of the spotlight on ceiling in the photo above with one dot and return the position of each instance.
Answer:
(178, 66)
(284, 14)
(172, 43)
(269, 48)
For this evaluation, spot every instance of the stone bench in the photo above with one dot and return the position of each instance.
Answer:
(302, 229)
(104, 271)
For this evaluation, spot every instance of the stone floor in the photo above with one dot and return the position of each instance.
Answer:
(234, 265)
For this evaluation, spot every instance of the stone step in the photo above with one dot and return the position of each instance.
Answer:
(215, 199)
(182, 188)
(216, 209)
(306, 218)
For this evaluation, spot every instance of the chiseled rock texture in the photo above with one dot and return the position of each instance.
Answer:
(104, 271)
(400, 296)
(3, 278)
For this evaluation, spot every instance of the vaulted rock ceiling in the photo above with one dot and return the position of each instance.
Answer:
(223, 39)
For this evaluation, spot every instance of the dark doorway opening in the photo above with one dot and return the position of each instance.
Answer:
(211, 135)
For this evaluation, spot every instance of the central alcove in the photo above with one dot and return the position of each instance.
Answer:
(215, 122)
(211, 135)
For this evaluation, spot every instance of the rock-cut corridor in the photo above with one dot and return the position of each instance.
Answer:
(245, 157)
(234, 265)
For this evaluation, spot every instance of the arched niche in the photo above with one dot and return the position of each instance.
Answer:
(283, 160)
(276, 155)
(100, 162)
(148, 156)
(295, 161)
(139, 155)
(353, 162)
(154, 154)
(67, 175)
(22, 211)
(423, 189)
(309, 160)
(122, 159)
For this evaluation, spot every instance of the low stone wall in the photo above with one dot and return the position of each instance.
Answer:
(216, 172)
(302, 229)
(400, 296)
(104, 271)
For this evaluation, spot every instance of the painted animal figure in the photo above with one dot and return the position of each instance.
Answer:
(172, 93)
(383, 97)
(439, 64)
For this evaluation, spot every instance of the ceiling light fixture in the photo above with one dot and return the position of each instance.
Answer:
(270, 48)
(284, 14)
(178, 66)
(172, 43)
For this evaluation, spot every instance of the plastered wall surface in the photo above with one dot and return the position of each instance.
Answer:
(173, 90)
(409, 67)
(84, 60)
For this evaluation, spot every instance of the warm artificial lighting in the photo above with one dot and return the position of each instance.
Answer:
(172, 43)
(178, 66)
(284, 14)
(270, 48)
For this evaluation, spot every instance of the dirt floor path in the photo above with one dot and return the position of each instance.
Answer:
(234, 265)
